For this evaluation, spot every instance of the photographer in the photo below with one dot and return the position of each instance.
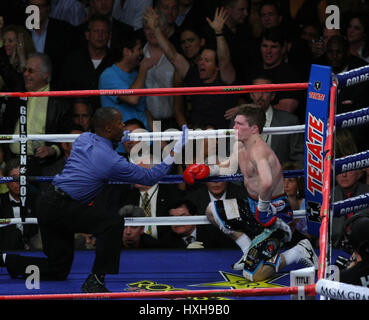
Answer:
(356, 270)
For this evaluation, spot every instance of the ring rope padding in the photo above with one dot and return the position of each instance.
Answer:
(161, 91)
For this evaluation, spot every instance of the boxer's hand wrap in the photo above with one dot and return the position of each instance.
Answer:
(196, 171)
(265, 213)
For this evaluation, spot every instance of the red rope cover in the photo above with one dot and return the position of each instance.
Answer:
(309, 290)
(163, 91)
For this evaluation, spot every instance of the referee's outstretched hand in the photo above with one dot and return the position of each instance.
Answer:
(126, 136)
(181, 142)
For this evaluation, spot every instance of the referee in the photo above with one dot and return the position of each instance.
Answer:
(69, 207)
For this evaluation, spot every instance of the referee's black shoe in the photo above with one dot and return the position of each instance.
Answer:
(94, 284)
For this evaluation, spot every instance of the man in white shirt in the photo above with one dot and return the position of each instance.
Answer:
(130, 11)
(159, 76)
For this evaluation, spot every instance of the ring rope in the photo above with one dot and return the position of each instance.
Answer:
(340, 208)
(353, 162)
(332, 289)
(162, 91)
(343, 79)
(169, 179)
(352, 77)
(152, 221)
(152, 136)
(354, 203)
(341, 291)
(309, 290)
(352, 118)
(344, 120)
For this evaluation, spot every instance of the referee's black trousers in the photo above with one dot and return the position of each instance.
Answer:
(59, 218)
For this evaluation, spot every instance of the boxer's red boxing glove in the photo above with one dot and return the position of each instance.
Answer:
(195, 171)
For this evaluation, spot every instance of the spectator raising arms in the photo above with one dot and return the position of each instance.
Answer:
(213, 68)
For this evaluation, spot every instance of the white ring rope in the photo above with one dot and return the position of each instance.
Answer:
(208, 134)
(153, 136)
(341, 291)
(36, 137)
(348, 119)
(152, 221)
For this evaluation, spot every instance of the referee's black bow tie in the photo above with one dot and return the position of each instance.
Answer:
(14, 203)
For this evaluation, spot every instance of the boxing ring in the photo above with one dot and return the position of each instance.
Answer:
(207, 268)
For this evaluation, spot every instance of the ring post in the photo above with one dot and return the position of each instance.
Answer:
(315, 135)
(23, 155)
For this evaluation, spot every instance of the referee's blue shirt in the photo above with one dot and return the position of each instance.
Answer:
(93, 162)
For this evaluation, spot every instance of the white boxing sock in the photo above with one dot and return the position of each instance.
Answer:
(291, 256)
(244, 243)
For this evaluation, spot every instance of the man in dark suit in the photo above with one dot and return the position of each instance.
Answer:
(134, 237)
(83, 67)
(46, 115)
(193, 236)
(287, 147)
(55, 38)
(118, 29)
(16, 236)
(158, 198)
(154, 200)
(194, 13)
(212, 191)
